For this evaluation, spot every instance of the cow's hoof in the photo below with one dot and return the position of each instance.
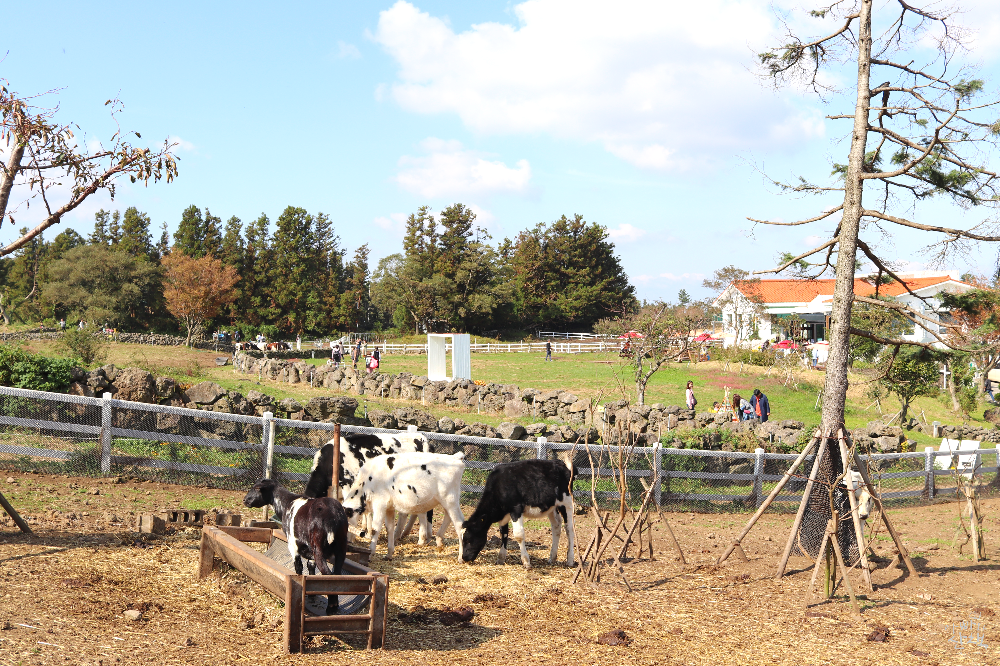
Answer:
(526, 563)
(502, 557)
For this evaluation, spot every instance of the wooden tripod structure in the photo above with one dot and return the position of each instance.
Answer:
(850, 458)
(18, 520)
(604, 536)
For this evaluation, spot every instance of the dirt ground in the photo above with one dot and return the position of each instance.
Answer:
(63, 592)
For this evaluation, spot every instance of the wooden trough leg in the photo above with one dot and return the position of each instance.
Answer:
(206, 562)
(294, 609)
(380, 594)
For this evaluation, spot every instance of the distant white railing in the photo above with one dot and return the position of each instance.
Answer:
(511, 347)
(573, 336)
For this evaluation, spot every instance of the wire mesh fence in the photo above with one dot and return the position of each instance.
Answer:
(80, 436)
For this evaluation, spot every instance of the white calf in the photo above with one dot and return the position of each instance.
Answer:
(411, 483)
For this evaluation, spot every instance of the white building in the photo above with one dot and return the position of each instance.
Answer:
(757, 310)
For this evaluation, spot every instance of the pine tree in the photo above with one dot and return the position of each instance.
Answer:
(453, 242)
(295, 267)
(255, 304)
(135, 235)
(232, 243)
(100, 235)
(115, 229)
(163, 247)
(212, 238)
(357, 294)
(190, 235)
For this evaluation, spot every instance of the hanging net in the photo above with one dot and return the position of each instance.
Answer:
(817, 515)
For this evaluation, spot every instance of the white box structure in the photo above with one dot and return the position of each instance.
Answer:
(437, 360)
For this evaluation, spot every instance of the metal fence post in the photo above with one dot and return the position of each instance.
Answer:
(542, 449)
(657, 471)
(758, 474)
(267, 434)
(929, 471)
(105, 433)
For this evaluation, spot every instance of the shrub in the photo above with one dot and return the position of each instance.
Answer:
(85, 344)
(20, 369)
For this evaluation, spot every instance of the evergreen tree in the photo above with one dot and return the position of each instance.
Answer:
(232, 243)
(324, 298)
(135, 235)
(212, 238)
(100, 235)
(453, 243)
(256, 304)
(114, 229)
(295, 267)
(163, 247)
(190, 235)
(567, 275)
(357, 295)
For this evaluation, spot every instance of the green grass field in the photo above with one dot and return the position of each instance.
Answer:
(597, 376)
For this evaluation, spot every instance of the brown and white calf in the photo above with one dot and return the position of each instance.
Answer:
(412, 483)
(316, 528)
(515, 491)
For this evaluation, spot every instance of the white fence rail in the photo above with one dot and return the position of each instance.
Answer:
(85, 436)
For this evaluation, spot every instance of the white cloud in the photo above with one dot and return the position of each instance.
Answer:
(347, 51)
(395, 223)
(448, 170)
(683, 276)
(626, 233)
(182, 144)
(662, 85)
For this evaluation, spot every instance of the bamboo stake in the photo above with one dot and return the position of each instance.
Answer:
(843, 567)
(802, 509)
(767, 502)
(859, 531)
(904, 554)
(9, 508)
(674, 539)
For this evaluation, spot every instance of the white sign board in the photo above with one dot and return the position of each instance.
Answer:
(437, 356)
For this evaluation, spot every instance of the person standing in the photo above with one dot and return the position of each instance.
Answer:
(988, 386)
(298, 342)
(357, 354)
(692, 401)
(548, 350)
(761, 406)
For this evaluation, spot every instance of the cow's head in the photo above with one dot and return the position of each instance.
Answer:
(474, 533)
(261, 494)
(355, 503)
(865, 500)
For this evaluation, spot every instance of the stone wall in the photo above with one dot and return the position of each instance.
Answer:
(161, 339)
(575, 418)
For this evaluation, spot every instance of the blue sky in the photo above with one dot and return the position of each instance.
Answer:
(645, 117)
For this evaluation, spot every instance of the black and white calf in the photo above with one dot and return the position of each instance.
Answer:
(316, 528)
(515, 491)
(411, 483)
(355, 450)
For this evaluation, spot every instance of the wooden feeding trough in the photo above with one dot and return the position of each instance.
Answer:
(301, 616)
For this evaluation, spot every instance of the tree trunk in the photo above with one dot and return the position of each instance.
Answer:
(835, 388)
(7, 179)
(955, 406)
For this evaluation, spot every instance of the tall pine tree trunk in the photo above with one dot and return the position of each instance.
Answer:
(835, 388)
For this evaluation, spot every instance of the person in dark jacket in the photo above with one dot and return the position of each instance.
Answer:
(761, 407)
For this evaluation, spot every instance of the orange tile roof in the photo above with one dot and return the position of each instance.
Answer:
(804, 291)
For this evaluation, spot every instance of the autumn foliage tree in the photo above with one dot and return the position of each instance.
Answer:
(196, 290)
